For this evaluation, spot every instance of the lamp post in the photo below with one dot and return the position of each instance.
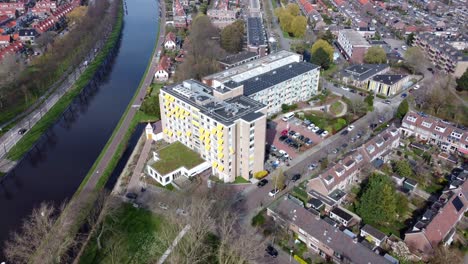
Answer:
(290, 255)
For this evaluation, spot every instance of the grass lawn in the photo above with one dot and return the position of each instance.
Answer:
(300, 194)
(240, 179)
(324, 121)
(274, 4)
(175, 156)
(434, 188)
(155, 87)
(336, 108)
(132, 238)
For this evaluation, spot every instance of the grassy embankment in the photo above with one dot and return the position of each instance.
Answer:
(30, 138)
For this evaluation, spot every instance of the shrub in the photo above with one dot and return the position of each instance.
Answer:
(258, 220)
(286, 108)
(260, 174)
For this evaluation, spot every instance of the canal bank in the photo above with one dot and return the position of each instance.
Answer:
(58, 168)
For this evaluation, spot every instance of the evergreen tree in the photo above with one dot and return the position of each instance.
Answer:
(462, 82)
(321, 58)
(402, 109)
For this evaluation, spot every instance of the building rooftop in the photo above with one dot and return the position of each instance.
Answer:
(440, 44)
(201, 96)
(362, 72)
(344, 247)
(175, 156)
(235, 58)
(374, 232)
(255, 32)
(273, 77)
(342, 214)
(388, 79)
(354, 38)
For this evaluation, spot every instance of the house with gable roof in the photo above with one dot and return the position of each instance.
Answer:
(170, 41)
(163, 70)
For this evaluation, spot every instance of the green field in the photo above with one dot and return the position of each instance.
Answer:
(131, 237)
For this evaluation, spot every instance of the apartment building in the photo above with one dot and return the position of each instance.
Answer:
(326, 240)
(276, 79)
(444, 56)
(387, 84)
(437, 224)
(225, 127)
(359, 74)
(353, 45)
(345, 172)
(447, 136)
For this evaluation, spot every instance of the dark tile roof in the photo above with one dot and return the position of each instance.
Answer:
(235, 58)
(361, 72)
(389, 79)
(374, 232)
(273, 77)
(342, 214)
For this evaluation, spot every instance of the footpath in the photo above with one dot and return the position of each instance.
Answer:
(82, 200)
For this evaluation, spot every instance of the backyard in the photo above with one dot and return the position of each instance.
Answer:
(128, 236)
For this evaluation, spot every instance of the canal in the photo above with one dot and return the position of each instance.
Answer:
(54, 172)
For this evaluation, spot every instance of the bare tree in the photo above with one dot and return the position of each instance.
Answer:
(415, 59)
(45, 39)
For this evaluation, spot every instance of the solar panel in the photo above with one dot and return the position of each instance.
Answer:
(458, 204)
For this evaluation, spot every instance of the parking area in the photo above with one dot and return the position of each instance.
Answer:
(292, 137)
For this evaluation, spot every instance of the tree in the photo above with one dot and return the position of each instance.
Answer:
(279, 180)
(377, 205)
(324, 164)
(410, 39)
(357, 107)
(286, 21)
(325, 46)
(377, 36)
(402, 109)
(403, 168)
(328, 36)
(369, 100)
(415, 59)
(462, 82)
(299, 26)
(150, 106)
(232, 37)
(293, 9)
(375, 55)
(321, 58)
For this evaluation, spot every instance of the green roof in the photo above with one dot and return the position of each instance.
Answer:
(175, 156)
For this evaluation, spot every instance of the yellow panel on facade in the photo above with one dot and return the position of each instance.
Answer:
(188, 133)
(251, 158)
(219, 127)
(207, 133)
(213, 131)
(170, 133)
(220, 134)
(220, 142)
(167, 103)
(165, 131)
(220, 155)
(195, 123)
(195, 116)
(202, 130)
(207, 147)
(202, 137)
(215, 164)
(179, 133)
(221, 168)
(207, 141)
(231, 150)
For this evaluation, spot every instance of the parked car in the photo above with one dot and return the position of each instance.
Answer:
(387, 102)
(350, 127)
(373, 126)
(273, 192)
(404, 95)
(22, 131)
(315, 129)
(271, 251)
(311, 126)
(345, 88)
(295, 177)
(320, 131)
(262, 183)
(288, 141)
(417, 86)
(283, 138)
(131, 195)
(313, 166)
(345, 132)
(353, 91)
(344, 145)
(273, 148)
(306, 123)
(296, 135)
(283, 153)
(291, 133)
(324, 133)
(163, 206)
(301, 137)
(308, 141)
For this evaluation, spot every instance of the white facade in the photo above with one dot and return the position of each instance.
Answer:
(161, 75)
(169, 44)
(182, 171)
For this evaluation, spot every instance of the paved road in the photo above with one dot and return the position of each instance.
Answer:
(80, 200)
(10, 138)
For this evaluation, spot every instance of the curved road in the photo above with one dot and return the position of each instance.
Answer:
(82, 199)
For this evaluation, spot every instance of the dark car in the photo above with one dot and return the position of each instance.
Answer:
(283, 138)
(344, 145)
(291, 133)
(404, 95)
(353, 91)
(294, 145)
(320, 131)
(262, 182)
(272, 251)
(308, 141)
(387, 102)
(131, 195)
(289, 141)
(22, 131)
(373, 126)
(301, 138)
(345, 132)
(295, 177)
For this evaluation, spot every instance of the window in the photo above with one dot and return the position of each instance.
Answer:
(411, 119)
(427, 124)
(440, 129)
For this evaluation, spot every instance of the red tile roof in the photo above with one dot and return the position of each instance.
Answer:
(5, 38)
(339, 2)
(363, 2)
(171, 36)
(307, 6)
(164, 64)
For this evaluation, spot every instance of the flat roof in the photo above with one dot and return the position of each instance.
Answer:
(355, 38)
(363, 72)
(273, 77)
(201, 97)
(235, 58)
(255, 32)
(389, 79)
(175, 156)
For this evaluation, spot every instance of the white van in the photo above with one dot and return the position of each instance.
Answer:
(287, 116)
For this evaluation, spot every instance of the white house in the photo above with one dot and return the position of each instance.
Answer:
(170, 41)
(163, 69)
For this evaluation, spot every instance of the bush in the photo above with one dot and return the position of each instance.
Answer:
(259, 219)
(286, 108)
(381, 96)
(340, 123)
(260, 174)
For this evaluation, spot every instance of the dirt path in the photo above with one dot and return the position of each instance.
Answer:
(83, 199)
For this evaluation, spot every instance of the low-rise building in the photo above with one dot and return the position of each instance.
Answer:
(373, 235)
(276, 79)
(28, 35)
(359, 74)
(387, 84)
(163, 71)
(353, 45)
(170, 41)
(222, 17)
(345, 172)
(324, 239)
(237, 59)
(174, 161)
(4, 40)
(447, 136)
(437, 225)
(226, 128)
(341, 216)
(444, 56)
